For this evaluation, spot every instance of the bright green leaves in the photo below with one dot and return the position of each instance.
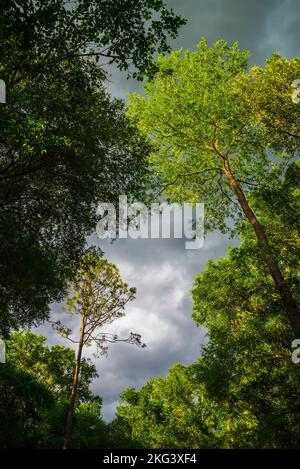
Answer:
(53, 366)
(202, 107)
(191, 99)
(163, 414)
(193, 116)
(244, 390)
(99, 288)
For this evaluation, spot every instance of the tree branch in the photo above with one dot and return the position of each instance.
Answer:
(185, 175)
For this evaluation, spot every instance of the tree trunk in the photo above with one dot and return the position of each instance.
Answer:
(283, 289)
(74, 386)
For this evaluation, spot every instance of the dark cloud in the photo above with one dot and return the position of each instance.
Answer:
(232, 20)
(162, 270)
(261, 26)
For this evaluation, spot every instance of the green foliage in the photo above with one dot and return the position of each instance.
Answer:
(242, 272)
(65, 145)
(164, 413)
(246, 368)
(124, 32)
(89, 429)
(99, 288)
(83, 152)
(120, 434)
(267, 91)
(53, 366)
(98, 295)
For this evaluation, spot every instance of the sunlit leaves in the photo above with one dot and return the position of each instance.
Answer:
(204, 106)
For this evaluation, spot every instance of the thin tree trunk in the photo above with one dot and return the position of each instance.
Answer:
(281, 285)
(74, 386)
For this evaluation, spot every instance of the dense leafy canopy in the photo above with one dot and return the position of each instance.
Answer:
(64, 144)
(36, 34)
(267, 91)
(24, 404)
(54, 365)
(164, 413)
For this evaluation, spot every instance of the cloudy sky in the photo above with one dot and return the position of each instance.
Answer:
(163, 270)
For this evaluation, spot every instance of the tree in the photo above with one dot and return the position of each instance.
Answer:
(88, 431)
(243, 391)
(250, 385)
(210, 141)
(37, 34)
(64, 144)
(246, 369)
(51, 191)
(98, 295)
(267, 91)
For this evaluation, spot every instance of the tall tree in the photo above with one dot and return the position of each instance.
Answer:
(98, 295)
(246, 371)
(210, 142)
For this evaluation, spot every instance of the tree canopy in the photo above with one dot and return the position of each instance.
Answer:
(98, 295)
(65, 145)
